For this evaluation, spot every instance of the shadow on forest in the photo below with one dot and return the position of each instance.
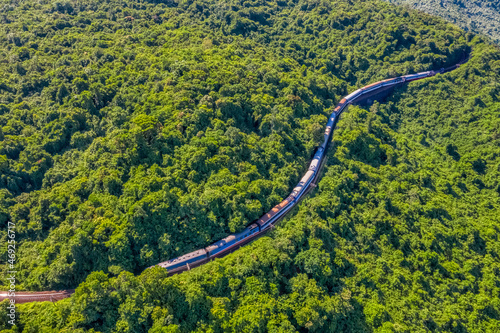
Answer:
(438, 213)
(354, 321)
(365, 148)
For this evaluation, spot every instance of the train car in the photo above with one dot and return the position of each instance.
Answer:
(371, 87)
(265, 220)
(274, 214)
(388, 82)
(398, 80)
(186, 261)
(286, 205)
(304, 183)
(224, 246)
(340, 107)
(352, 96)
(329, 124)
(268, 216)
(418, 76)
(317, 159)
(377, 85)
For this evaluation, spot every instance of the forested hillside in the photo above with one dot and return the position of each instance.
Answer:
(480, 16)
(136, 131)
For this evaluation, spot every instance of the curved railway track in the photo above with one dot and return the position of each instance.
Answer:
(268, 220)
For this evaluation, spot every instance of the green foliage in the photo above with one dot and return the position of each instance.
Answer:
(134, 132)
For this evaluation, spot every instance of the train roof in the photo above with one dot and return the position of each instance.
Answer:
(220, 243)
(353, 93)
(371, 85)
(193, 254)
(232, 237)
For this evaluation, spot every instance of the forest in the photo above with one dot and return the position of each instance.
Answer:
(132, 132)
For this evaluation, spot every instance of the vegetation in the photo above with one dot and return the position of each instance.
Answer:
(477, 16)
(134, 132)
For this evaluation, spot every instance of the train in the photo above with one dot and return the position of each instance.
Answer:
(269, 220)
(266, 222)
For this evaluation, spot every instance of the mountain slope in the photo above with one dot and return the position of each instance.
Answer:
(135, 135)
(136, 131)
(477, 16)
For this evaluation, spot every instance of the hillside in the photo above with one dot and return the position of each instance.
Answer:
(133, 132)
(476, 16)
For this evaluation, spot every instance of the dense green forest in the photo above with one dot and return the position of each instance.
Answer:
(136, 131)
(480, 16)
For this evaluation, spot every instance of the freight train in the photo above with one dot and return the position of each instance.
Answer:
(266, 222)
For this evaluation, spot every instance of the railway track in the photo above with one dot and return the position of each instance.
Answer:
(268, 220)
(37, 296)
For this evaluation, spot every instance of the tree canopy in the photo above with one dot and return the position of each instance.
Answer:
(136, 131)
